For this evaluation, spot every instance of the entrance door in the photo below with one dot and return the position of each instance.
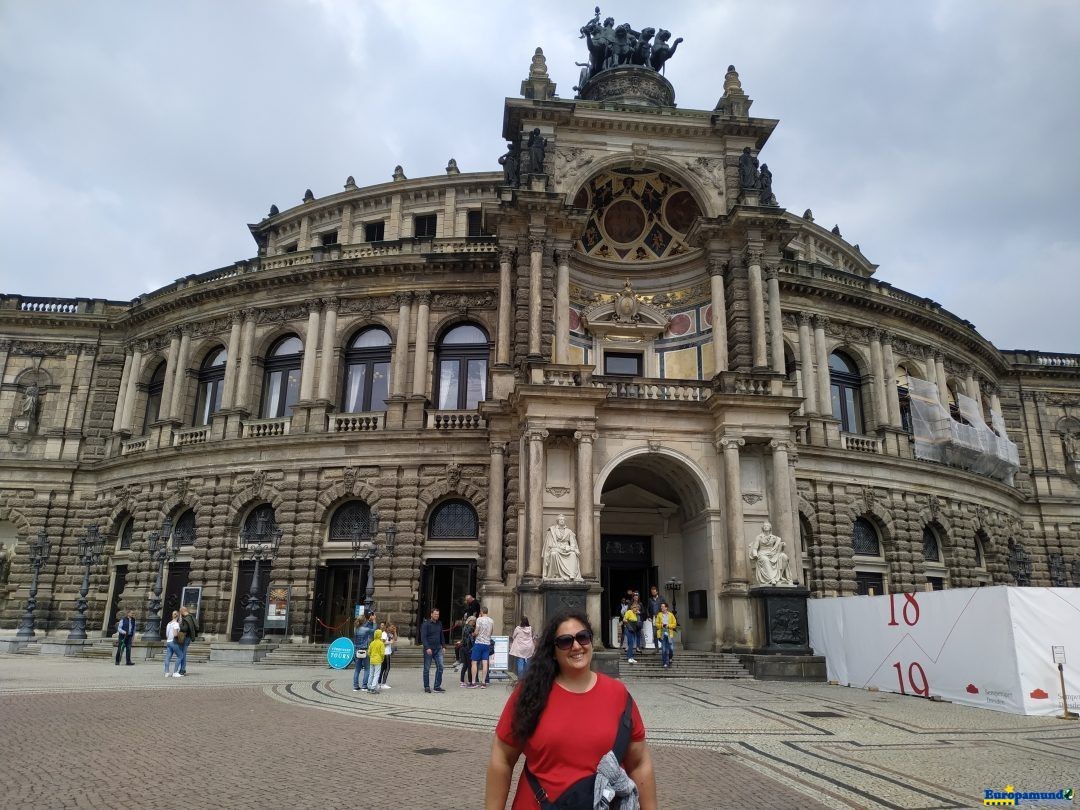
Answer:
(340, 586)
(119, 583)
(625, 564)
(444, 585)
(174, 587)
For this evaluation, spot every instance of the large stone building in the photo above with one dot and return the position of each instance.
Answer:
(624, 328)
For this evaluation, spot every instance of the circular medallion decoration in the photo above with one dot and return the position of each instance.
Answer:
(636, 215)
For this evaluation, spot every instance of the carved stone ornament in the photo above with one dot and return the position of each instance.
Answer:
(569, 162)
(557, 492)
(750, 498)
(630, 84)
(181, 487)
(258, 480)
(625, 316)
(453, 474)
(349, 478)
(710, 170)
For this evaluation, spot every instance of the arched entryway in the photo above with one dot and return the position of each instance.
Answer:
(657, 524)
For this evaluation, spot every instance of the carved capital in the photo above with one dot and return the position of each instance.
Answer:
(497, 448)
(730, 443)
(752, 257)
(562, 257)
(585, 436)
(886, 337)
(506, 255)
(535, 434)
(820, 322)
(784, 445)
(771, 273)
(536, 244)
(874, 334)
(313, 305)
(251, 314)
(186, 329)
(236, 318)
(804, 318)
(717, 266)
(402, 299)
(331, 304)
(423, 298)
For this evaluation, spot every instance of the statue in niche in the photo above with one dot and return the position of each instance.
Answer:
(562, 557)
(535, 149)
(1072, 447)
(511, 167)
(769, 558)
(749, 176)
(31, 402)
(765, 181)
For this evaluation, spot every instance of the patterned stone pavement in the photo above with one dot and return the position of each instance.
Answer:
(265, 737)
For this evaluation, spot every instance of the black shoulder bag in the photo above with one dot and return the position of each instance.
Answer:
(579, 796)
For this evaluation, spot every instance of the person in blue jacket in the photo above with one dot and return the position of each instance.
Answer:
(363, 632)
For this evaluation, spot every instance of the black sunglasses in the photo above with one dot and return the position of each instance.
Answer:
(583, 637)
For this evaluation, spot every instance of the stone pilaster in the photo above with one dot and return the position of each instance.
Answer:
(590, 556)
(776, 327)
(717, 268)
(536, 295)
(562, 306)
(806, 371)
(757, 309)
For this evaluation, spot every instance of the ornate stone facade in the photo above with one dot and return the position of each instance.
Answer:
(469, 360)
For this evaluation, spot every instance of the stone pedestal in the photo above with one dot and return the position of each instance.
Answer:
(562, 595)
(13, 645)
(782, 621)
(58, 647)
(233, 653)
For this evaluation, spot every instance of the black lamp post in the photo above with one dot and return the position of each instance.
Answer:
(365, 545)
(39, 553)
(672, 586)
(260, 543)
(91, 546)
(163, 545)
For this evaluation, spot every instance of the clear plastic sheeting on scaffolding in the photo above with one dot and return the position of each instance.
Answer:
(972, 446)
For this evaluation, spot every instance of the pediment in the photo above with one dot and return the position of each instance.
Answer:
(625, 316)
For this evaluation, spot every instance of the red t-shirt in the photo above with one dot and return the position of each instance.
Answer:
(574, 732)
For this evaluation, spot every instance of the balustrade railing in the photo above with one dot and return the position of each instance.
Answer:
(455, 420)
(356, 422)
(266, 428)
(654, 389)
(190, 436)
(739, 382)
(861, 444)
(130, 446)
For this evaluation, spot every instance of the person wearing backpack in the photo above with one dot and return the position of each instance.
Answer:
(632, 630)
(189, 630)
(580, 731)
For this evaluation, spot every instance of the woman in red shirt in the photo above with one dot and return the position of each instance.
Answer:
(564, 718)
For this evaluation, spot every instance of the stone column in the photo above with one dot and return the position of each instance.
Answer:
(129, 394)
(562, 307)
(970, 388)
(736, 539)
(121, 394)
(228, 392)
(496, 478)
(247, 350)
(502, 349)
(171, 359)
(346, 230)
(776, 324)
(401, 346)
(535, 501)
(719, 315)
(995, 404)
(181, 371)
(881, 408)
(583, 504)
(780, 509)
(824, 381)
(806, 361)
(942, 380)
(757, 309)
(536, 294)
(329, 339)
(311, 346)
(893, 396)
(420, 358)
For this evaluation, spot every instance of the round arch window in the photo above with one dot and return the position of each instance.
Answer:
(281, 379)
(367, 371)
(462, 368)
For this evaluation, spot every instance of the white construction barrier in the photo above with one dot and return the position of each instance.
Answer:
(995, 648)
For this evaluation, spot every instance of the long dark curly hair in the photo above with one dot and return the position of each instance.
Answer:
(535, 687)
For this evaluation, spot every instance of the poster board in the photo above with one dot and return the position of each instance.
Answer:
(985, 647)
(500, 660)
(276, 616)
(191, 598)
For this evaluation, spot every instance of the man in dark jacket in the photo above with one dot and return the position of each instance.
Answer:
(125, 634)
(363, 632)
(190, 630)
(431, 632)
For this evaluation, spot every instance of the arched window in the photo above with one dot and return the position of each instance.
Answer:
(864, 539)
(870, 567)
(264, 515)
(367, 371)
(936, 574)
(350, 518)
(1019, 562)
(462, 368)
(980, 549)
(184, 528)
(281, 380)
(211, 382)
(931, 549)
(153, 397)
(453, 520)
(846, 402)
(125, 530)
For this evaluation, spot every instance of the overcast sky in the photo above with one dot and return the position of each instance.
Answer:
(138, 138)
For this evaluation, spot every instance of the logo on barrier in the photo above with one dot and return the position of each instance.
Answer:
(1011, 797)
(339, 655)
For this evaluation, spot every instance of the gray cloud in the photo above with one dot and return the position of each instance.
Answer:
(138, 139)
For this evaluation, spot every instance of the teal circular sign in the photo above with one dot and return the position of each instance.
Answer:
(340, 654)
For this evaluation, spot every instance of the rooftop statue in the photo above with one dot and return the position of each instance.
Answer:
(612, 46)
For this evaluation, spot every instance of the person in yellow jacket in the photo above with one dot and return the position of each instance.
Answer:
(376, 652)
(666, 625)
(632, 630)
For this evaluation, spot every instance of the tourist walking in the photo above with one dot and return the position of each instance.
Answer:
(653, 609)
(631, 629)
(481, 651)
(125, 634)
(665, 625)
(579, 730)
(189, 630)
(464, 651)
(522, 645)
(363, 631)
(172, 649)
(376, 652)
(431, 632)
(390, 640)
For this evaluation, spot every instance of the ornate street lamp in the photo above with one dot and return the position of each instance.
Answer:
(162, 546)
(91, 546)
(672, 586)
(260, 543)
(366, 546)
(39, 553)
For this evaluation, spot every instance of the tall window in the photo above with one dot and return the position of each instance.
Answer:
(870, 565)
(127, 527)
(184, 528)
(424, 225)
(350, 518)
(462, 365)
(251, 522)
(211, 382)
(153, 397)
(453, 520)
(864, 539)
(903, 386)
(934, 563)
(281, 381)
(367, 371)
(846, 402)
